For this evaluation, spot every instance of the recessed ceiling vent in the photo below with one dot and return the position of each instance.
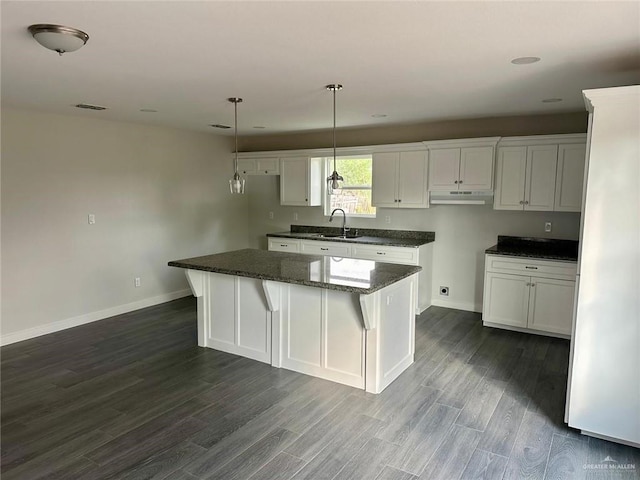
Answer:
(88, 106)
(218, 125)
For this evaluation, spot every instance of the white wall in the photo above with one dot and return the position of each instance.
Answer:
(158, 194)
(463, 232)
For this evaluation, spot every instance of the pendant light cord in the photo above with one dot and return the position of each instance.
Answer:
(235, 105)
(334, 129)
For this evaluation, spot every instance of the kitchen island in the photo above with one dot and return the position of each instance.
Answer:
(346, 320)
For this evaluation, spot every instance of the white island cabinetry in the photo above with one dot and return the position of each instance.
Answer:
(345, 320)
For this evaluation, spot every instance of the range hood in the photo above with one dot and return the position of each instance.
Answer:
(461, 198)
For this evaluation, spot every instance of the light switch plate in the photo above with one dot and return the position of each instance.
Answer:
(547, 227)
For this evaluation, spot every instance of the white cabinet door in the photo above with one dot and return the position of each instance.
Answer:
(300, 181)
(246, 166)
(382, 253)
(551, 305)
(259, 166)
(412, 175)
(444, 169)
(385, 180)
(570, 178)
(333, 249)
(510, 178)
(506, 299)
(284, 245)
(540, 186)
(476, 168)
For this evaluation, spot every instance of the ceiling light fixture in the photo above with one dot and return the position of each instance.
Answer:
(236, 184)
(335, 177)
(525, 60)
(58, 38)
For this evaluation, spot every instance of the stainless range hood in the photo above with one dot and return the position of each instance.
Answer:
(461, 198)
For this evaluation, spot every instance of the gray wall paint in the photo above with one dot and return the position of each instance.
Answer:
(438, 130)
(158, 194)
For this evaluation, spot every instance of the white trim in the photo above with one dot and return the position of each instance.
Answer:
(38, 331)
(466, 306)
(561, 139)
(462, 142)
(514, 328)
(340, 151)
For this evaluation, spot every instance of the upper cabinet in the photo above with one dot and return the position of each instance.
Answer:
(570, 177)
(259, 166)
(399, 179)
(542, 173)
(465, 164)
(300, 181)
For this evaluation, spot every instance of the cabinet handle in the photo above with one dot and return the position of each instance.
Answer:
(285, 246)
(533, 284)
(528, 284)
(526, 202)
(456, 182)
(460, 182)
(381, 253)
(306, 199)
(521, 202)
(531, 268)
(266, 171)
(324, 249)
(399, 200)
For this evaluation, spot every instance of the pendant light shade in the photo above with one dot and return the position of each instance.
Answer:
(236, 184)
(58, 38)
(333, 180)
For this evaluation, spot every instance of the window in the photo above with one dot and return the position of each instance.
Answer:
(355, 195)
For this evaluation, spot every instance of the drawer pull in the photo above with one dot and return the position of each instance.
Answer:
(381, 253)
(531, 268)
(285, 246)
(324, 249)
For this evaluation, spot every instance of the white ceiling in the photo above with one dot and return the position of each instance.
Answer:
(413, 61)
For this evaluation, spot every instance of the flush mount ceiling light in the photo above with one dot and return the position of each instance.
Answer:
(58, 38)
(334, 179)
(236, 184)
(525, 60)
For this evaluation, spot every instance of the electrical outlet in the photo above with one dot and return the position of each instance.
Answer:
(444, 291)
(547, 227)
(270, 215)
(136, 282)
(387, 219)
(295, 216)
(92, 219)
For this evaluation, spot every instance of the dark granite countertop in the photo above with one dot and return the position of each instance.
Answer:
(543, 248)
(371, 236)
(334, 273)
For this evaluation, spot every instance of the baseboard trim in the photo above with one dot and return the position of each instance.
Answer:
(468, 307)
(90, 317)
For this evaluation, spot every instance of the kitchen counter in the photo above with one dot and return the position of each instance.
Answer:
(366, 236)
(349, 321)
(343, 274)
(542, 248)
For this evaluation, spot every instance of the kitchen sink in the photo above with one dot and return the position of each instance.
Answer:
(334, 235)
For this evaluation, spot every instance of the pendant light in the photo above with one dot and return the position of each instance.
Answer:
(335, 177)
(236, 184)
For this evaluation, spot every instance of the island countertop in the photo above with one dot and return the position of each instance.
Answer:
(333, 273)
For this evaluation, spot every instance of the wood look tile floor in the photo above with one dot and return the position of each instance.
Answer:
(133, 397)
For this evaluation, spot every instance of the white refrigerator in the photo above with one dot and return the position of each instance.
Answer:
(603, 396)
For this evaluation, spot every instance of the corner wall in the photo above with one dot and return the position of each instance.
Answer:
(158, 194)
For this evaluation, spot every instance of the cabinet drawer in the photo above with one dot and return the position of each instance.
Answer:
(403, 255)
(325, 248)
(532, 267)
(284, 245)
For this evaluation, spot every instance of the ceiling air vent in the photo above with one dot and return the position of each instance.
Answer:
(218, 125)
(88, 106)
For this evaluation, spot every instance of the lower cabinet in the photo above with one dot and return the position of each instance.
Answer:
(529, 295)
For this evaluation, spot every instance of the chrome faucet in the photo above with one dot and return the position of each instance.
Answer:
(345, 229)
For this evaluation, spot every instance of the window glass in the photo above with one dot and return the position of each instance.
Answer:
(355, 195)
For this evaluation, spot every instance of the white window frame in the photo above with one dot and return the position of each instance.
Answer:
(327, 167)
